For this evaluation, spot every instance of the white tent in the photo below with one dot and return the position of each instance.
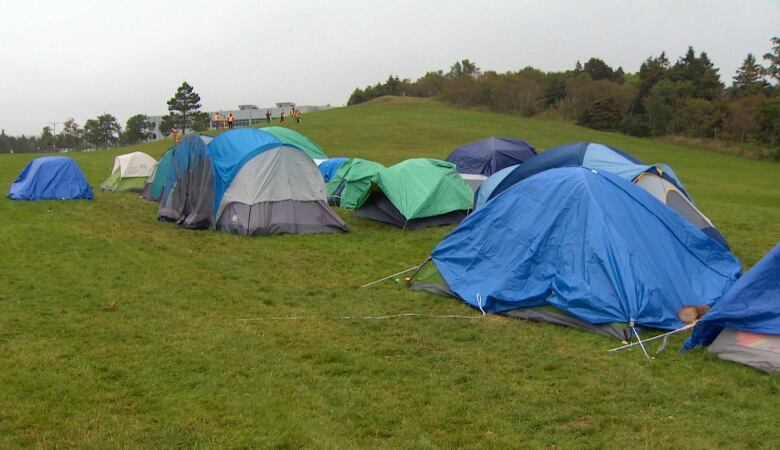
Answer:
(130, 172)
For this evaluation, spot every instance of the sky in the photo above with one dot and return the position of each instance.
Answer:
(82, 58)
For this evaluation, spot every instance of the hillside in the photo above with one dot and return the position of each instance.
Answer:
(221, 341)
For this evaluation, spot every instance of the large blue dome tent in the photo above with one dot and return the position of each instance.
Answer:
(51, 178)
(744, 325)
(658, 179)
(580, 247)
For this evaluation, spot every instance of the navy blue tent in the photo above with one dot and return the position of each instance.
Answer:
(487, 156)
(51, 178)
(752, 304)
(587, 243)
(329, 167)
(591, 155)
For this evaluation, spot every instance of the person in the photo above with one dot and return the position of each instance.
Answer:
(281, 118)
(268, 116)
(297, 116)
(217, 121)
(175, 134)
(230, 120)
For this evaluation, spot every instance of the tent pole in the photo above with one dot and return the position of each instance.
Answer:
(391, 276)
(641, 344)
(623, 347)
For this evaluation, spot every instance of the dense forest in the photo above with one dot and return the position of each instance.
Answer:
(684, 98)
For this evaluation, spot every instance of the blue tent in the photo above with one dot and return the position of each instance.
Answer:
(487, 156)
(329, 167)
(591, 155)
(51, 178)
(752, 304)
(488, 186)
(587, 243)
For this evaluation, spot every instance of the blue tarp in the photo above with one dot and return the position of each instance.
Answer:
(752, 304)
(488, 156)
(51, 178)
(588, 243)
(329, 167)
(591, 155)
(486, 188)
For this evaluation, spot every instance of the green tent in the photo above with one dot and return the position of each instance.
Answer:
(130, 172)
(155, 183)
(418, 193)
(350, 187)
(292, 137)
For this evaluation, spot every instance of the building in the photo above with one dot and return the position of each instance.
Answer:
(244, 116)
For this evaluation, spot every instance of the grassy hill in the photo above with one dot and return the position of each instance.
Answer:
(202, 348)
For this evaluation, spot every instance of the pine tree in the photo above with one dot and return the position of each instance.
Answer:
(184, 103)
(773, 57)
(749, 75)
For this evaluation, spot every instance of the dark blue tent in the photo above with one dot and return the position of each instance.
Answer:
(587, 243)
(487, 156)
(329, 167)
(51, 178)
(594, 156)
(752, 304)
(188, 192)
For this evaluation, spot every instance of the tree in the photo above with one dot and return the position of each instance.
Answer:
(578, 67)
(750, 75)
(71, 135)
(183, 103)
(137, 129)
(103, 130)
(700, 72)
(429, 85)
(598, 69)
(696, 117)
(742, 119)
(773, 58)
(47, 138)
(651, 72)
(464, 68)
(199, 121)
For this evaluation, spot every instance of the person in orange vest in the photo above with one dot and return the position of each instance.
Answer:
(217, 121)
(230, 120)
(297, 116)
(175, 135)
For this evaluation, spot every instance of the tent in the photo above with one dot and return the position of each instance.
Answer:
(297, 140)
(130, 172)
(744, 326)
(155, 183)
(188, 190)
(329, 167)
(350, 185)
(51, 178)
(657, 178)
(488, 156)
(583, 248)
(418, 193)
(264, 185)
(486, 188)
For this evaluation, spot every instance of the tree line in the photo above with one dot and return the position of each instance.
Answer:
(685, 97)
(104, 131)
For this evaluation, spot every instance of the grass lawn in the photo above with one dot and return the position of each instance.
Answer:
(175, 365)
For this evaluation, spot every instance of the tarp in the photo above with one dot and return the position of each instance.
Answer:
(588, 243)
(488, 156)
(51, 178)
(752, 304)
(350, 186)
(587, 154)
(329, 167)
(422, 187)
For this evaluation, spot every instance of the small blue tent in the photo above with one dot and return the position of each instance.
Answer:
(329, 167)
(587, 243)
(752, 304)
(51, 178)
(588, 154)
(488, 156)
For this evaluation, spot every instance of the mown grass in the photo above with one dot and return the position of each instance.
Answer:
(175, 364)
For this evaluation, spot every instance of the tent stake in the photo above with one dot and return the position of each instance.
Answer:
(391, 276)
(623, 347)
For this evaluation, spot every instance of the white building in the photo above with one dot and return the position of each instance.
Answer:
(245, 115)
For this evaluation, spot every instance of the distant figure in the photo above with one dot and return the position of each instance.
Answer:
(297, 116)
(268, 116)
(230, 120)
(281, 118)
(175, 135)
(217, 121)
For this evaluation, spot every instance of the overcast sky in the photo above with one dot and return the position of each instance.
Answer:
(80, 58)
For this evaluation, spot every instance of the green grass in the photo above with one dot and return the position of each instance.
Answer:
(175, 366)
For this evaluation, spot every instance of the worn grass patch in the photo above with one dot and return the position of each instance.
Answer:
(174, 364)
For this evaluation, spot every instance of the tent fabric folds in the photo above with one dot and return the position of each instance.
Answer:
(587, 243)
(487, 156)
(351, 184)
(130, 172)
(51, 178)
